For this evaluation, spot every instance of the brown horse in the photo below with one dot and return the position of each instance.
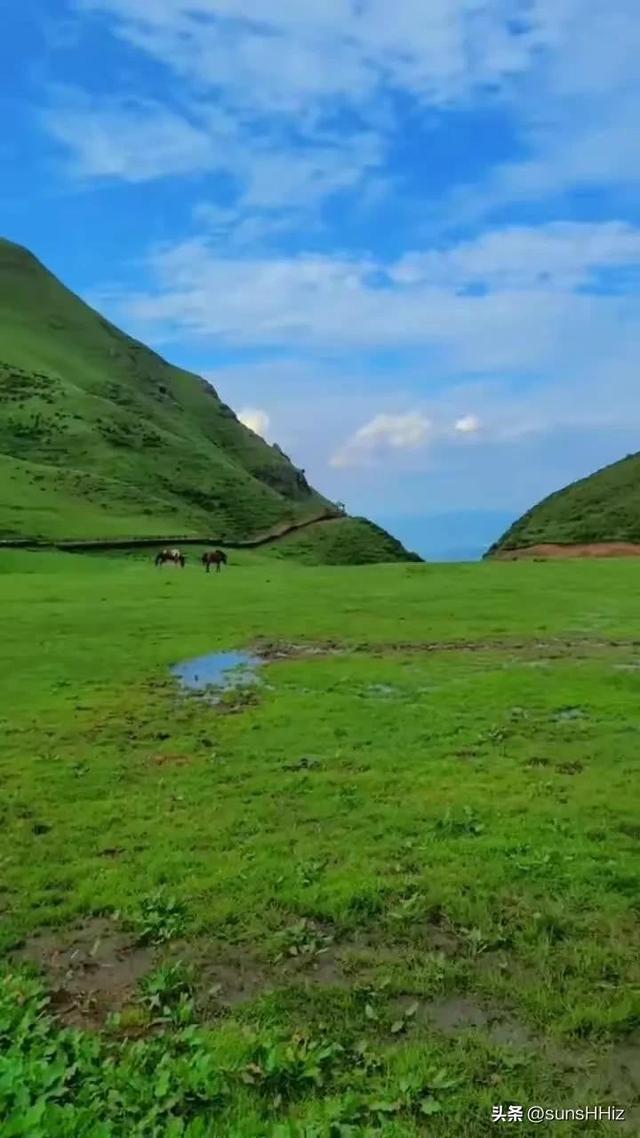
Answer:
(217, 558)
(173, 555)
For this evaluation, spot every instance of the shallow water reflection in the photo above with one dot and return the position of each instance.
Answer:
(225, 670)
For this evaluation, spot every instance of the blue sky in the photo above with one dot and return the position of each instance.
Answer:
(402, 240)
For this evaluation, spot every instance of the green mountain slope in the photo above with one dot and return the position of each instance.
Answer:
(604, 507)
(342, 541)
(102, 438)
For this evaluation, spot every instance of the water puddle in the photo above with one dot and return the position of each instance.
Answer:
(226, 671)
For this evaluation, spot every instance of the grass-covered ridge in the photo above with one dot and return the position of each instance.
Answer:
(391, 886)
(605, 507)
(101, 438)
(342, 541)
(120, 440)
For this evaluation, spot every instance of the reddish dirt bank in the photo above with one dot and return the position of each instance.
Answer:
(594, 549)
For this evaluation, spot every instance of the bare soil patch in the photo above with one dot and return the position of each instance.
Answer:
(438, 938)
(272, 651)
(553, 648)
(170, 759)
(231, 975)
(453, 1014)
(226, 975)
(95, 969)
(549, 551)
(92, 970)
(622, 1068)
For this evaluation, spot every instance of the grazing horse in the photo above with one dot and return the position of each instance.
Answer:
(173, 555)
(217, 558)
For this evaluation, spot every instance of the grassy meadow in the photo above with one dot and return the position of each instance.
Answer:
(394, 884)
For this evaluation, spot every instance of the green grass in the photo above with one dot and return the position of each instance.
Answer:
(601, 508)
(394, 829)
(342, 541)
(101, 438)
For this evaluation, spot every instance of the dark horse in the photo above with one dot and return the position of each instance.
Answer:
(217, 558)
(172, 555)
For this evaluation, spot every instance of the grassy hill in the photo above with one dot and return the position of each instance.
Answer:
(605, 507)
(102, 438)
(342, 541)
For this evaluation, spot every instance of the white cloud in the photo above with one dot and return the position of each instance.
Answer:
(131, 140)
(400, 431)
(284, 72)
(557, 255)
(293, 102)
(576, 111)
(256, 420)
(467, 425)
(381, 433)
(290, 57)
(531, 313)
(138, 140)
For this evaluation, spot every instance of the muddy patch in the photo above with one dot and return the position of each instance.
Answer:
(613, 1076)
(170, 759)
(622, 1068)
(328, 969)
(270, 651)
(434, 936)
(220, 674)
(228, 976)
(578, 645)
(454, 1014)
(91, 971)
(305, 954)
(511, 1033)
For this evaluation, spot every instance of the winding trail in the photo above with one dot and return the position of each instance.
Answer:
(76, 546)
